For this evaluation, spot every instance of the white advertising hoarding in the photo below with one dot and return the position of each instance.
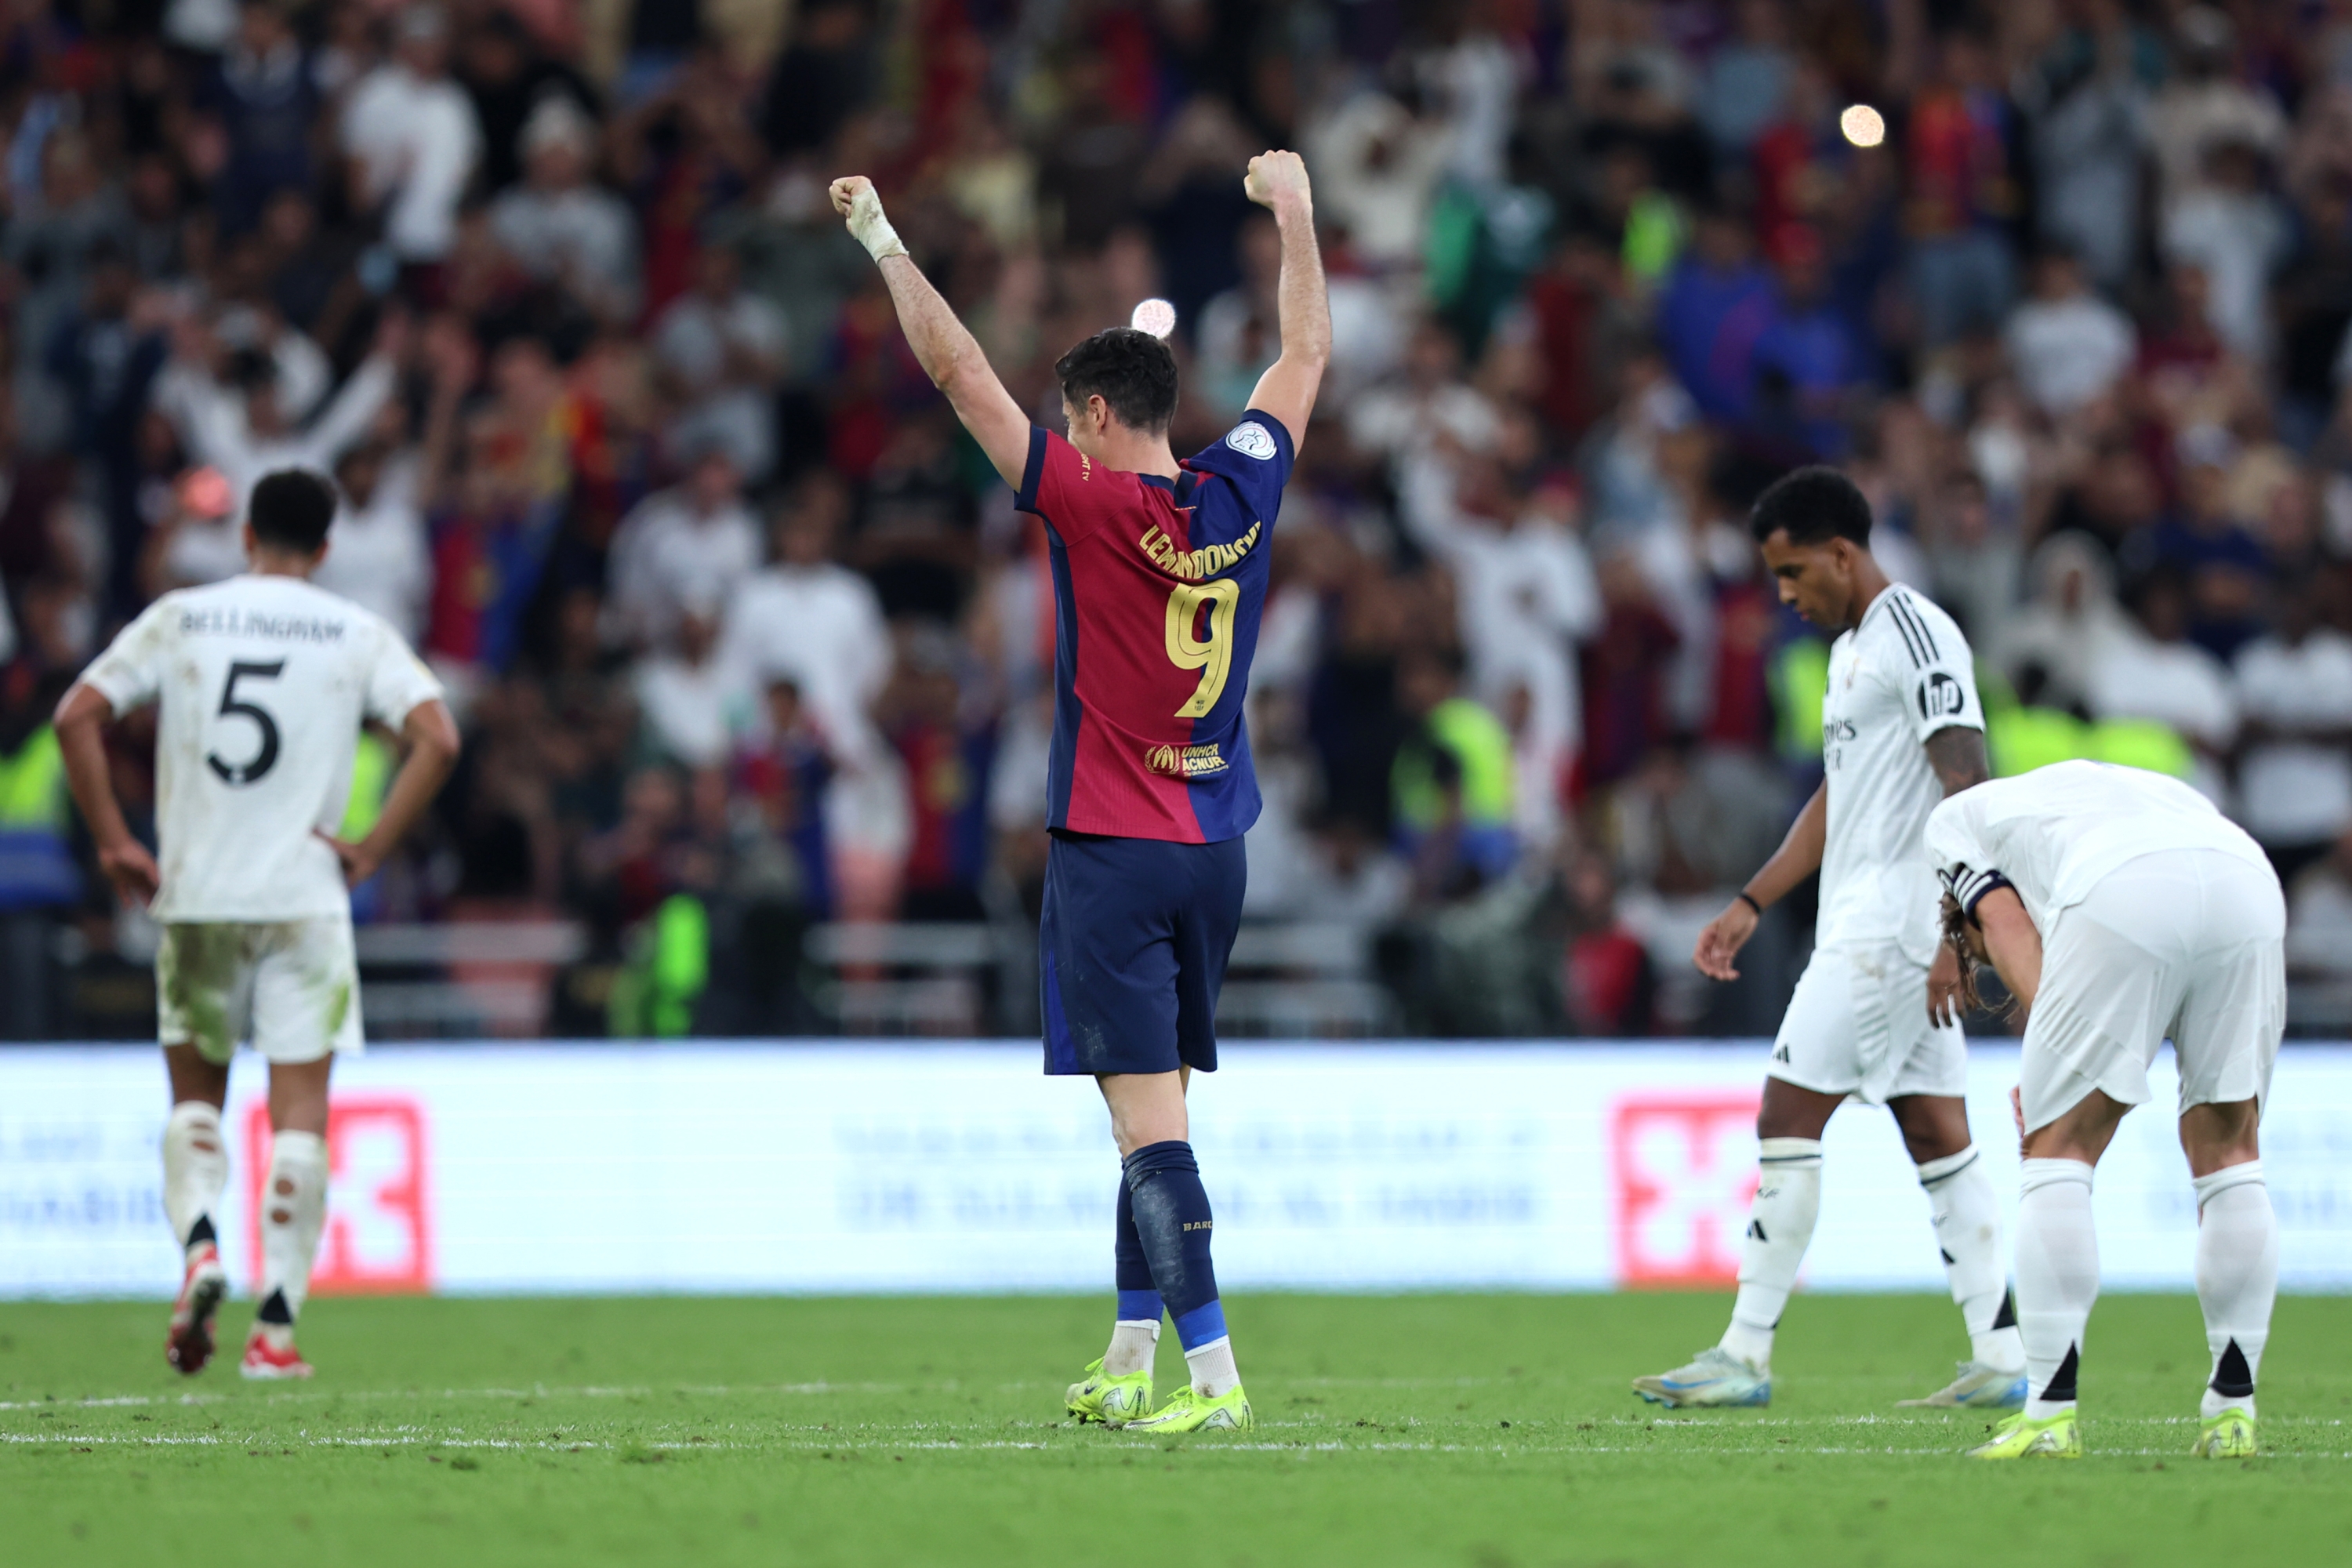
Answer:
(850, 1167)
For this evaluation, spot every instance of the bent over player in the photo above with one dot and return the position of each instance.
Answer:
(264, 682)
(2122, 909)
(1160, 577)
(1901, 729)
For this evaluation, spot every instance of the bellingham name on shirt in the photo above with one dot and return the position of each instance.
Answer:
(236, 622)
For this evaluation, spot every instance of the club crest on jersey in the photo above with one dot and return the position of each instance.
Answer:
(1252, 439)
(1194, 564)
(1185, 762)
(1940, 697)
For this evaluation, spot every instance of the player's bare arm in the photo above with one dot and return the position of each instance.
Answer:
(2012, 942)
(429, 736)
(1798, 856)
(1277, 182)
(80, 721)
(1957, 756)
(945, 348)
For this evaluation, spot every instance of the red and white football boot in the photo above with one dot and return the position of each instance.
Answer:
(271, 1354)
(189, 1345)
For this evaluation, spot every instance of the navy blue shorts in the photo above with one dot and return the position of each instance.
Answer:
(1132, 950)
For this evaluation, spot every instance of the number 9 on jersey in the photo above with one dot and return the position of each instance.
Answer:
(1213, 657)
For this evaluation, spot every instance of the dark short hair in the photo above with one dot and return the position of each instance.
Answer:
(291, 508)
(1130, 371)
(1812, 505)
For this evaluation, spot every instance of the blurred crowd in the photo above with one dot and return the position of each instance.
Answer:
(746, 635)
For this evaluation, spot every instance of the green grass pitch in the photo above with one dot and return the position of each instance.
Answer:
(1472, 1430)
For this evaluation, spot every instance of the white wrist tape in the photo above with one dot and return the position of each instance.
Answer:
(871, 229)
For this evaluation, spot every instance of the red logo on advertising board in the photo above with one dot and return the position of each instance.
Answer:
(1684, 1168)
(378, 1232)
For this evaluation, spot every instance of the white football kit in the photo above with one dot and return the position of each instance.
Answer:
(2160, 918)
(1858, 1021)
(263, 683)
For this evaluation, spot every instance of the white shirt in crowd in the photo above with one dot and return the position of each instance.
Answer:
(1902, 675)
(378, 556)
(687, 706)
(2237, 238)
(2293, 792)
(211, 420)
(1399, 420)
(1525, 596)
(416, 142)
(2055, 833)
(2067, 352)
(1376, 167)
(583, 233)
(264, 682)
(822, 626)
(671, 559)
(2175, 683)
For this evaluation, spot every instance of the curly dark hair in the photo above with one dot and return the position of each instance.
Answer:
(1812, 505)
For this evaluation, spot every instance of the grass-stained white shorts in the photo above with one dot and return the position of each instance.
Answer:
(1858, 1024)
(2184, 944)
(291, 986)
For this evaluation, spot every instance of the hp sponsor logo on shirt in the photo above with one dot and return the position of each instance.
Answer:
(1941, 697)
(1252, 439)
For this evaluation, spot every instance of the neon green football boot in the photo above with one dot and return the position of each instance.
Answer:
(2228, 1435)
(2022, 1437)
(1187, 1410)
(1113, 1401)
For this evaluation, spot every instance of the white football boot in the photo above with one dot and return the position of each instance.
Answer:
(1714, 1379)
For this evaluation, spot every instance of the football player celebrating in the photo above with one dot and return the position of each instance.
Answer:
(1160, 577)
(1901, 729)
(2122, 909)
(263, 683)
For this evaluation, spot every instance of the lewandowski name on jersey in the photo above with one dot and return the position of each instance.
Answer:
(1158, 586)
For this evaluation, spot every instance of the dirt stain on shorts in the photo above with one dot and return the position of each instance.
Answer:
(195, 971)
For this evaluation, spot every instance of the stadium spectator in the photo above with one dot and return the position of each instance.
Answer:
(807, 618)
(411, 134)
(559, 227)
(684, 550)
(2294, 702)
(2066, 344)
(723, 348)
(264, 98)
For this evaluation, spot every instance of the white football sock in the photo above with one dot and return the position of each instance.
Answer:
(2237, 1279)
(1132, 1346)
(293, 1212)
(1968, 1230)
(2057, 1278)
(1779, 1228)
(1212, 1368)
(195, 1165)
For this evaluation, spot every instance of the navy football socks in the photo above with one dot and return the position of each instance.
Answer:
(1169, 1209)
(1139, 1297)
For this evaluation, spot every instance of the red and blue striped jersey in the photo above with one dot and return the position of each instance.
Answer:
(1158, 586)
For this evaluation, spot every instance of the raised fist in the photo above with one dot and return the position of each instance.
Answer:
(1275, 175)
(855, 198)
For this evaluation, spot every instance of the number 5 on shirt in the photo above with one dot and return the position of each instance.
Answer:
(1214, 657)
